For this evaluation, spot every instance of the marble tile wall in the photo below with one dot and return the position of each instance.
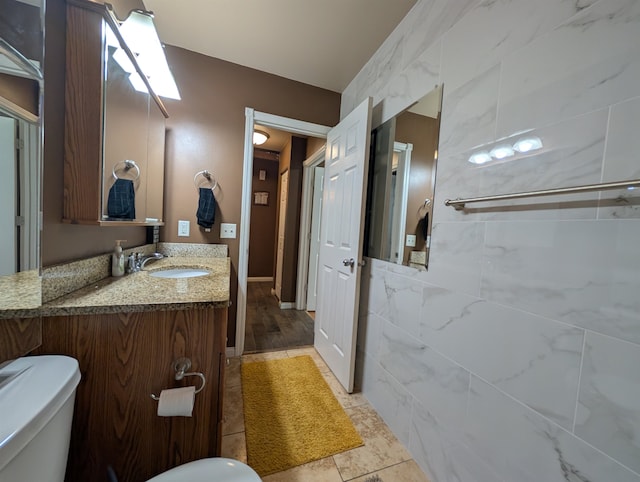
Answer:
(514, 357)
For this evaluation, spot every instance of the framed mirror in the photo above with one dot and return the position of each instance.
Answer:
(401, 182)
(114, 121)
(21, 87)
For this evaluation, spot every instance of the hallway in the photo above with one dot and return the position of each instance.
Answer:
(268, 327)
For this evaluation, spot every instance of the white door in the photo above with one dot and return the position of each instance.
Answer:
(336, 323)
(8, 208)
(314, 244)
(284, 190)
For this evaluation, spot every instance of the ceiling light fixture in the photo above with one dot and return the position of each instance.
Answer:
(141, 37)
(259, 137)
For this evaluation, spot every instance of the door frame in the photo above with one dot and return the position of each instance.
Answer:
(306, 212)
(277, 122)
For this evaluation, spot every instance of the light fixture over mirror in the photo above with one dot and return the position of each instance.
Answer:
(401, 184)
(141, 37)
(259, 137)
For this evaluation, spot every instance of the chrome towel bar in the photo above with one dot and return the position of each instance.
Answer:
(459, 204)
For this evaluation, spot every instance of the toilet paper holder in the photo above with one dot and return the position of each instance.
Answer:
(181, 365)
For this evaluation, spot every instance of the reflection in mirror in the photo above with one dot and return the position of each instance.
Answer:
(21, 55)
(402, 168)
(125, 139)
(134, 129)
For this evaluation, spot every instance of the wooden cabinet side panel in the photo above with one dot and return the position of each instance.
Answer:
(123, 359)
(83, 115)
(19, 336)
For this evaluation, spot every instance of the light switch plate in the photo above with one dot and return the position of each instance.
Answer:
(227, 230)
(183, 228)
(411, 240)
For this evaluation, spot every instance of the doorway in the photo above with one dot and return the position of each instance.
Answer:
(252, 292)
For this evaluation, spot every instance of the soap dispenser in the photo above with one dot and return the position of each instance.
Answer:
(117, 259)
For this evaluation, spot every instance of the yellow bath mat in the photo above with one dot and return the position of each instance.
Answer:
(291, 416)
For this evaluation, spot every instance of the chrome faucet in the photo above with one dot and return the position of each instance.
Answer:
(137, 261)
(144, 259)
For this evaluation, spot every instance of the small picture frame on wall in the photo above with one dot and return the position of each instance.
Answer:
(262, 175)
(261, 198)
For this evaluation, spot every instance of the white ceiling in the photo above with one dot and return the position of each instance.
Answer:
(322, 43)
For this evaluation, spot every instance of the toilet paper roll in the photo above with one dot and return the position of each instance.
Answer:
(176, 402)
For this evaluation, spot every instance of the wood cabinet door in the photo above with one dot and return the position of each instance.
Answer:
(124, 358)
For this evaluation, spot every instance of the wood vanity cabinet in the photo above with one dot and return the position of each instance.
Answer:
(107, 122)
(123, 359)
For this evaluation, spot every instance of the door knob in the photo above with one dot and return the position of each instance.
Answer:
(349, 262)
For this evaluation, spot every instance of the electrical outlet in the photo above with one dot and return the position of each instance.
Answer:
(227, 230)
(183, 228)
(411, 240)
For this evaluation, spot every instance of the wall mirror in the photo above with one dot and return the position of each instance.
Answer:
(402, 172)
(134, 129)
(21, 87)
(114, 120)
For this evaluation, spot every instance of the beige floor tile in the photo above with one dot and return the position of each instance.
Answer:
(232, 411)
(271, 355)
(234, 446)
(232, 372)
(311, 351)
(347, 400)
(381, 448)
(407, 471)
(323, 470)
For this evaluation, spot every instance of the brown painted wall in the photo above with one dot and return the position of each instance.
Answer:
(292, 228)
(263, 219)
(313, 144)
(206, 131)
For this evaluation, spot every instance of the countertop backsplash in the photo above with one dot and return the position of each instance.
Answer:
(65, 278)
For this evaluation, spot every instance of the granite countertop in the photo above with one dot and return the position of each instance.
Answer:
(20, 294)
(137, 292)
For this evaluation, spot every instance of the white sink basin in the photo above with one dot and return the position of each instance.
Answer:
(179, 273)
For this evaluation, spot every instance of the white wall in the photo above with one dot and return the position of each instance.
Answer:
(516, 356)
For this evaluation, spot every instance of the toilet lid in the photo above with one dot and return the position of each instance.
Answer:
(216, 469)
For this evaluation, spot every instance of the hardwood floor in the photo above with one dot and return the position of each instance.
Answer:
(268, 327)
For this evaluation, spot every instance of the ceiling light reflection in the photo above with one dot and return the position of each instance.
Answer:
(528, 144)
(501, 152)
(480, 158)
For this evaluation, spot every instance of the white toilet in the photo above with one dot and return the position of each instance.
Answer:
(36, 410)
(209, 470)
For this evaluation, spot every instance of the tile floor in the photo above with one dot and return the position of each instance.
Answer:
(381, 454)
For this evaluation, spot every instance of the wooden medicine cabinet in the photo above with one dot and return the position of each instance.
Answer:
(113, 130)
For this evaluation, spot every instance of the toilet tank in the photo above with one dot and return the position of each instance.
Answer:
(36, 409)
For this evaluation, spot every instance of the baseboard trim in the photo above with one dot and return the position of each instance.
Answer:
(287, 306)
(255, 279)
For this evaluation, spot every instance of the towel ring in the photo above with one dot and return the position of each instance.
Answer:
(208, 178)
(423, 209)
(127, 165)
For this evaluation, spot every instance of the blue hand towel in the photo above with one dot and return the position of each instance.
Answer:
(121, 203)
(206, 213)
(424, 222)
